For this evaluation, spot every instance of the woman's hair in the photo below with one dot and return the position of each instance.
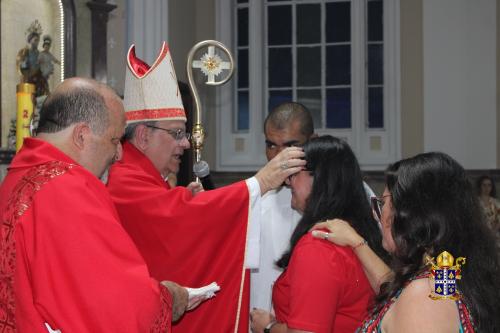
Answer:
(337, 192)
(480, 181)
(436, 210)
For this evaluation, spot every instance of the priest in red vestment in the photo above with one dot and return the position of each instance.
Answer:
(191, 237)
(66, 262)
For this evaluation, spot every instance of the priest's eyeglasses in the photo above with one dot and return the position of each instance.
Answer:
(177, 134)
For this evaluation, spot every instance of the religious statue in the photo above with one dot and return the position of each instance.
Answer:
(27, 61)
(46, 59)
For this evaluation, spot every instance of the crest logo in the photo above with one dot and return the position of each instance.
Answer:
(444, 276)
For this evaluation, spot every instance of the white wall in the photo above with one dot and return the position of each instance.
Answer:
(147, 27)
(460, 80)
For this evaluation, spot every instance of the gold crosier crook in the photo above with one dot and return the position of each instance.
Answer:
(211, 65)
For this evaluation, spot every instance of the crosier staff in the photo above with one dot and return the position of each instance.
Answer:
(211, 65)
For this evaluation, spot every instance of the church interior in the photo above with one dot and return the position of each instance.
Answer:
(392, 77)
(248, 166)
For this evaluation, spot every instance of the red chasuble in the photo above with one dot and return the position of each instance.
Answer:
(190, 240)
(65, 258)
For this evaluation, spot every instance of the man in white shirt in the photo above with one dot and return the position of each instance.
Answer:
(289, 124)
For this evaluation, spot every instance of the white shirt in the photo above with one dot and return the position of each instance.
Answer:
(278, 220)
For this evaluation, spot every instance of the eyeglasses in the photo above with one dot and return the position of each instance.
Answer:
(177, 134)
(377, 204)
(311, 173)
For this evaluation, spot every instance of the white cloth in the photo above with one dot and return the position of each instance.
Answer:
(204, 292)
(50, 330)
(252, 256)
(278, 220)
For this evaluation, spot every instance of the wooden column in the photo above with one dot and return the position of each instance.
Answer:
(100, 12)
(69, 38)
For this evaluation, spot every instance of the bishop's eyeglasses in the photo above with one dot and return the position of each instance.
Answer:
(177, 134)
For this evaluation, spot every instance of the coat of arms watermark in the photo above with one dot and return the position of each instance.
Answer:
(444, 276)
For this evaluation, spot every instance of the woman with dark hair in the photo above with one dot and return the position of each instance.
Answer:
(323, 288)
(429, 207)
(491, 206)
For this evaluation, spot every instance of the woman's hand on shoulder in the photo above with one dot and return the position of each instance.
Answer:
(340, 232)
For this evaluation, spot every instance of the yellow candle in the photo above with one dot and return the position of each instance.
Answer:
(25, 108)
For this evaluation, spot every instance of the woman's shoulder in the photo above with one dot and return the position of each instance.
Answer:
(307, 240)
(415, 311)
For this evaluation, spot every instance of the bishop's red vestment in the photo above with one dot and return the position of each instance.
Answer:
(190, 240)
(65, 258)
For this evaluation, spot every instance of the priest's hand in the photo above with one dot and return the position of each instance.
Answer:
(179, 299)
(195, 188)
(283, 165)
(194, 302)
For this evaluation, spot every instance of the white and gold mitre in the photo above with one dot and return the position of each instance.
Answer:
(151, 92)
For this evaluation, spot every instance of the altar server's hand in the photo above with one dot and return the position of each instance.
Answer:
(195, 188)
(259, 319)
(283, 165)
(179, 299)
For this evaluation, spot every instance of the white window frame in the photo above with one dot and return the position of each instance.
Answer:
(244, 151)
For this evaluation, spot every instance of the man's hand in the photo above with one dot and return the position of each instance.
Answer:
(285, 164)
(195, 188)
(179, 299)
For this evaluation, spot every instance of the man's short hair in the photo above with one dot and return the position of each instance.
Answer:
(63, 109)
(130, 129)
(284, 114)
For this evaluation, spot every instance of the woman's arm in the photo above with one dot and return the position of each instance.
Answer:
(341, 233)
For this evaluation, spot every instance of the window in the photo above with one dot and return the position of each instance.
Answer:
(340, 58)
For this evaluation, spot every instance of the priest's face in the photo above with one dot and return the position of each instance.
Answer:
(165, 147)
(106, 148)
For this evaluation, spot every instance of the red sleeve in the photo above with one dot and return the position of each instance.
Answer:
(316, 286)
(85, 274)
